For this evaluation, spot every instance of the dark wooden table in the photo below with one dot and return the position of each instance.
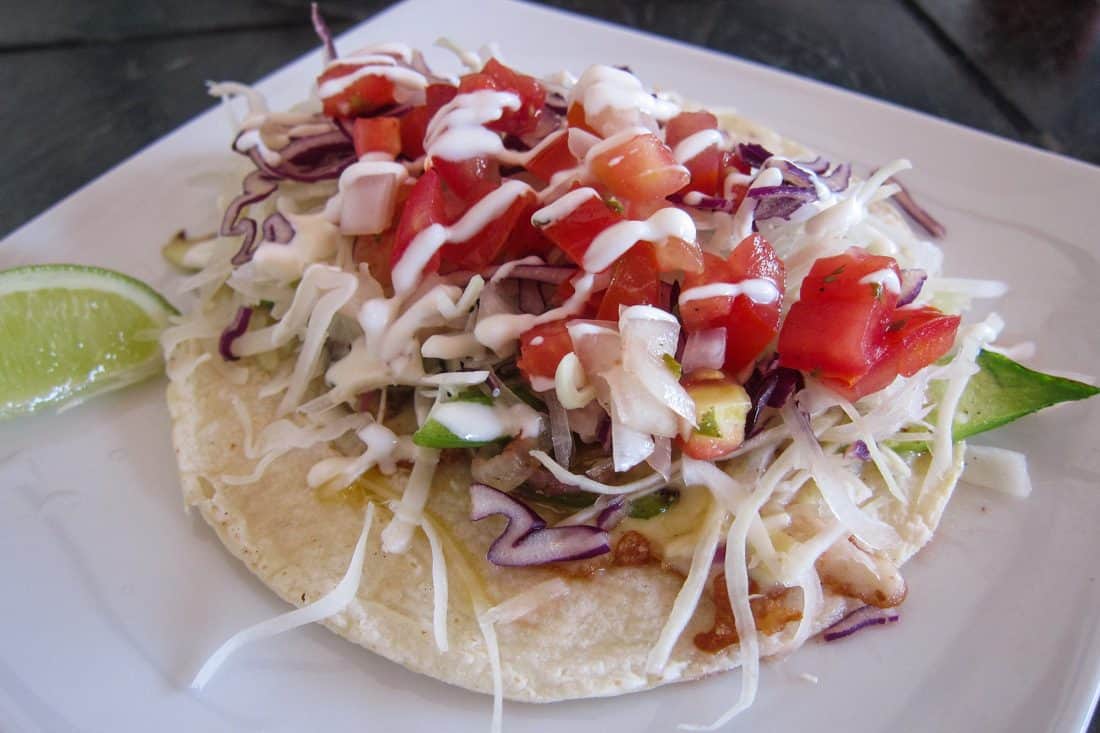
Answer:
(87, 84)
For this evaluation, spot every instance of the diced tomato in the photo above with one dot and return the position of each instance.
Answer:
(425, 206)
(553, 158)
(750, 326)
(574, 233)
(414, 124)
(731, 161)
(526, 239)
(532, 96)
(838, 278)
(914, 339)
(377, 135)
(919, 337)
(838, 339)
(482, 249)
(705, 167)
(566, 291)
(841, 328)
(470, 179)
(634, 281)
(376, 251)
(704, 313)
(686, 124)
(676, 255)
(755, 257)
(640, 169)
(541, 349)
(575, 117)
(365, 95)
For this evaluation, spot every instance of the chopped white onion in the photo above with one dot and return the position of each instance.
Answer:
(704, 349)
(999, 469)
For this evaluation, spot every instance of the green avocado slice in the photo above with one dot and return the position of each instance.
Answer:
(1003, 390)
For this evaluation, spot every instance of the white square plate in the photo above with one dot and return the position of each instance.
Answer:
(113, 595)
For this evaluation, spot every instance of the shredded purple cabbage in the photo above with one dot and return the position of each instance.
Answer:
(309, 159)
(323, 32)
(770, 386)
(817, 165)
(705, 203)
(255, 187)
(793, 174)
(612, 514)
(911, 283)
(526, 540)
(552, 274)
(916, 212)
(530, 298)
(234, 331)
(838, 178)
(277, 229)
(753, 153)
(860, 619)
(859, 451)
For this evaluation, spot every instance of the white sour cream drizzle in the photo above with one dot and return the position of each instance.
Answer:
(563, 206)
(404, 79)
(614, 241)
(694, 144)
(370, 53)
(457, 131)
(253, 139)
(407, 271)
(315, 240)
(474, 421)
(885, 277)
(758, 290)
(607, 94)
(743, 218)
(498, 331)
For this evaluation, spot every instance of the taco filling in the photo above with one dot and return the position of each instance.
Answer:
(634, 391)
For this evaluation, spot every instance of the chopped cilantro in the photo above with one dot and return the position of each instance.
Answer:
(708, 425)
(473, 394)
(672, 365)
(651, 505)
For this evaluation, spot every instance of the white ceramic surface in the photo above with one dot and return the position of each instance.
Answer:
(112, 595)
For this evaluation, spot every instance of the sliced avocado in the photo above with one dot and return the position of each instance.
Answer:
(1003, 390)
(434, 434)
(650, 505)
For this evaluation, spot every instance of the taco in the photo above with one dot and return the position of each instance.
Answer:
(630, 392)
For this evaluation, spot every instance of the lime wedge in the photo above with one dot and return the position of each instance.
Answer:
(68, 332)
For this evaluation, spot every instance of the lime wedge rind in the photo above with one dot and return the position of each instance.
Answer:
(86, 277)
(73, 332)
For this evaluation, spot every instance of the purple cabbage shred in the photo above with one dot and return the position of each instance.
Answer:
(753, 153)
(526, 540)
(911, 283)
(234, 331)
(323, 32)
(859, 619)
(770, 386)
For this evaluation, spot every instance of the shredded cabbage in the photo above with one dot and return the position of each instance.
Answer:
(330, 604)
